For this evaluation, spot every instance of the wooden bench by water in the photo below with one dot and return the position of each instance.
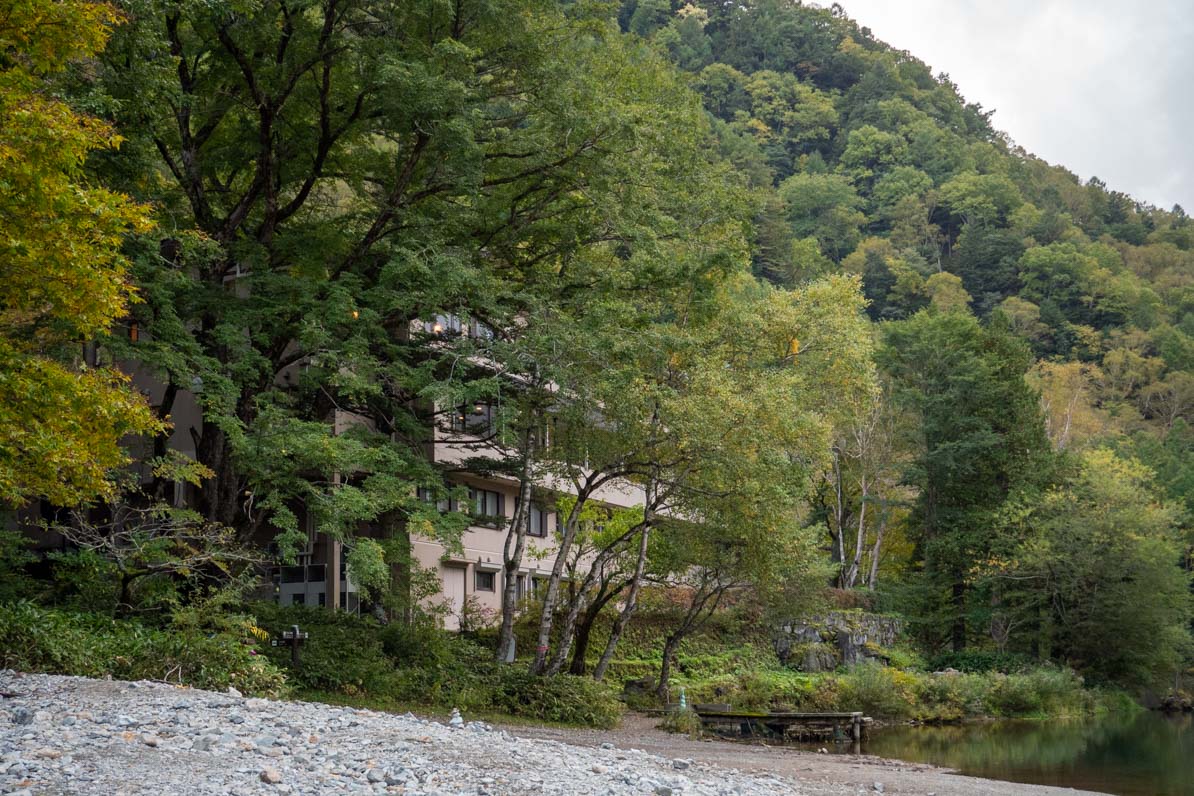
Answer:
(788, 726)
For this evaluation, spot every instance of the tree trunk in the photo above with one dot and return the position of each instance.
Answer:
(580, 649)
(161, 444)
(860, 541)
(838, 524)
(551, 593)
(568, 629)
(875, 551)
(219, 499)
(124, 604)
(584, 628)
(670, 645)
(515, 545)
(627, 613)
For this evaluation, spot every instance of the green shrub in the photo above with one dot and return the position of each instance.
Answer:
(15, 583)
(563, 698)
(950, 697)
(61, 642)
(981, 661)
(878, 691)
(682, 721)
(465, 677)
(1043, 690)
(1013, 696)
(342, 653)
(903, 658)
(84, 581)
(419, 645)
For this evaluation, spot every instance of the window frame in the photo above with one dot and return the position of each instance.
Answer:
(479, 505)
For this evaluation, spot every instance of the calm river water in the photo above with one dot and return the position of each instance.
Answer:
(1143, 754)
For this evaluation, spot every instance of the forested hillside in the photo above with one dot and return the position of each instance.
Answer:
(845, 344)
(862, 161)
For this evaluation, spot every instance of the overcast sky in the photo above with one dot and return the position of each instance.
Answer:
(1101, 87)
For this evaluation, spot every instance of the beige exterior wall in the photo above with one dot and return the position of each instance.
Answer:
(464, 574)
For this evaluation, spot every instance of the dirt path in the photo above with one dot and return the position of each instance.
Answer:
(817, 773)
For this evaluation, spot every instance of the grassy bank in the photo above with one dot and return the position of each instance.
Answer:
(886, 692)
(734, 663)
(357, 661)
(347, 659)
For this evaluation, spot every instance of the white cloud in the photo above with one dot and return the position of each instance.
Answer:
(1100, 87)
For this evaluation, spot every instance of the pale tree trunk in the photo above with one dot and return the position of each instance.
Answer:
(515, 546)
(615, 634)
(837, 532)
(860, 541)
(552, 593)
(591, 483)
(568, 628)
(875, 551)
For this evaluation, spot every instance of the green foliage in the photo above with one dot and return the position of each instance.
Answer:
(981, 661)
(887, 692)
(1038, 691)
(561, 698)
(65, 278)
(356, 657)
(15, 583)
(978, 436)
(1097, 555)
(687, 722)
(879, 691)
(343, 654)
(525, 164)
(62, 642)
(84, 580)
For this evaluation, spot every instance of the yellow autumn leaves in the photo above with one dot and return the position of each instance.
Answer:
(63, 279)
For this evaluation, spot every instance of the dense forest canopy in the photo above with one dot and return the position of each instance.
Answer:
(863, 161)
(837, 327)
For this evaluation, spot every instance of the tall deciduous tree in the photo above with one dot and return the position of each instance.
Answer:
(338, 169)
(1100, 556)
(63, 278)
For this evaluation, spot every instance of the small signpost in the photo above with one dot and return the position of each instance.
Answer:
(295, 638)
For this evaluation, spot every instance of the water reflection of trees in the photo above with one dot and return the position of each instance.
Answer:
(989, 745)
(1139, 753)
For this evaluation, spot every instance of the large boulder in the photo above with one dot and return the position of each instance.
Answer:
(823, 642)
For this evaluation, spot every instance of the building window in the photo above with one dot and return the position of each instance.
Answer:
(488, 506)
(444, 505)
(475, 418)
(540, 522)
(446, 324)
(485, 581)
(480, 330)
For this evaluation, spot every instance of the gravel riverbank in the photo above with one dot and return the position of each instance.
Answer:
(72, 735)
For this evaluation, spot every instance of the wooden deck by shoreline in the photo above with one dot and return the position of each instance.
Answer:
(789, 725)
